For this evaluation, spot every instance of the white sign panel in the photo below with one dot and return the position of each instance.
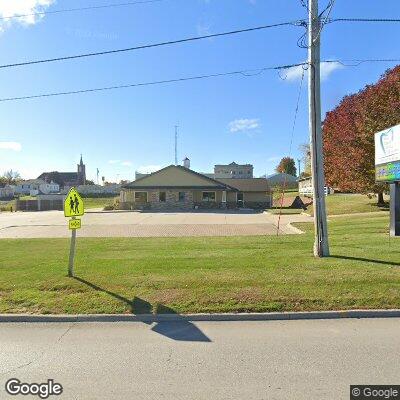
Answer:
(387, 145)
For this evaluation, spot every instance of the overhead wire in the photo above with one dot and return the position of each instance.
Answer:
(245, 73)
(88, 8)
(304, 67)
(151, 45)
(248, 72)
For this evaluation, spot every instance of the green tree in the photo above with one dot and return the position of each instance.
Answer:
(11, 177)
(287, 165)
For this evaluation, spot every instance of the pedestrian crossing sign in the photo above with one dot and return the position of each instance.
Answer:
(73, 204)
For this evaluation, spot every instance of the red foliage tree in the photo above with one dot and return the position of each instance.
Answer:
(348, 134)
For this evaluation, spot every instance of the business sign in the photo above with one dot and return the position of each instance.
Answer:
(387, 155)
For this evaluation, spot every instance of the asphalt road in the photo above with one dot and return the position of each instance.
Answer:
(51, 224)
(299, 360)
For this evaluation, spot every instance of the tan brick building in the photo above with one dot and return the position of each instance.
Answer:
(176, 187)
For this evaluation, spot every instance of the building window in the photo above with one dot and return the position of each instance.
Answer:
(208, 196)
(141, 197)
(163, 197)
(181, 196)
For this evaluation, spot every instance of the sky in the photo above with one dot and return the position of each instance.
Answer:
(246, 119)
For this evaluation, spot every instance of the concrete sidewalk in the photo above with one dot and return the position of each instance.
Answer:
(53, 224)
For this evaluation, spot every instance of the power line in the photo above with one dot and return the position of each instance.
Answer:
(245, 73)
(66, 10)
(161, 82)
(363, 20)
(357, 62)
(147, 46)
(291, 145)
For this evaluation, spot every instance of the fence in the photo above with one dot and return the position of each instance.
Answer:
(39, 205)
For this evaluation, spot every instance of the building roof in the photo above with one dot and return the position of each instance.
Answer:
(37, 181)
(233, 164)
(65, 176)
(200, 181)
(281, 176)
(248, 184)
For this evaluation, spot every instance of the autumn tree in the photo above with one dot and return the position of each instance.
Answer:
(287, 165)
(348, 134)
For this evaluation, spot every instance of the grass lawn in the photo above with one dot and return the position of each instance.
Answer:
(99, 202)
(350, 204)
(219, 274)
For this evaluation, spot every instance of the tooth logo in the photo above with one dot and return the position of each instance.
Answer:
(387, 142)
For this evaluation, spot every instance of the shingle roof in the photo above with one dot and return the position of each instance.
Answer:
(220, 185)
(247, 184)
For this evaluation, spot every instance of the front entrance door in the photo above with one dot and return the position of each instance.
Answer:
(239, 200)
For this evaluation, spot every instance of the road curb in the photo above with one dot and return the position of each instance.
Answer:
(150, 318)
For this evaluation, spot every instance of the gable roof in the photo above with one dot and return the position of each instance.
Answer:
(281, 176)
(177, 177)
(248, 184)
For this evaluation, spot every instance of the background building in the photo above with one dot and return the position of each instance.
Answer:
(233, 170)
(67, 179)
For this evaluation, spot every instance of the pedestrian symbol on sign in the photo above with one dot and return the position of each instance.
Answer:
(73, 205)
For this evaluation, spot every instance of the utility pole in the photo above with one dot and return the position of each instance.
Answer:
(321, 245)
(299, 167)
(176, 144)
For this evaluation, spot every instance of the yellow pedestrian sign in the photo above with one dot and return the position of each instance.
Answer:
(73, 204)
(74, 224)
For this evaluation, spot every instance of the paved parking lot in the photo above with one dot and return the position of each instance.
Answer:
(51, 224)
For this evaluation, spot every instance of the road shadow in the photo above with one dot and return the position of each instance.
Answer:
(366, 260)
(180, 329)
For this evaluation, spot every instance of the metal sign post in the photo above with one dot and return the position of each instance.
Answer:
(395, 209)
(73, 207)
(72, 252)
(387, 170)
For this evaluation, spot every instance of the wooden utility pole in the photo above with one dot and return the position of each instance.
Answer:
(321, 245)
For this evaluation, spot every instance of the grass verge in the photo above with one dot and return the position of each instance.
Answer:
(214, 274)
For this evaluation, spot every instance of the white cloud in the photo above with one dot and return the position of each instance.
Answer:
(126, 163)
(114, 161)
(245, 124)
(15, 146)
(148, 169)
(294, 73)
(25, 8)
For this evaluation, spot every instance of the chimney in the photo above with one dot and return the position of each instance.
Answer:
(186, 163)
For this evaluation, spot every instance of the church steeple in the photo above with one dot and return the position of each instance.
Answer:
(81, 172)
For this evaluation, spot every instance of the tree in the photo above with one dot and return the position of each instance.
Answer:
(12, 177)
(287, 165)
(89, 182)
(348, 134)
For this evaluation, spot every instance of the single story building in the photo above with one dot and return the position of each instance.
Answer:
(178, 187)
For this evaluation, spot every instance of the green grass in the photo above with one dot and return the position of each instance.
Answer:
(217, 274)
(99, 202)
(285, 211)
(350, 204)
(7, 205)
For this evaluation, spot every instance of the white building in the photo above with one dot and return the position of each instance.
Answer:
(33, 187)
(233, 170)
